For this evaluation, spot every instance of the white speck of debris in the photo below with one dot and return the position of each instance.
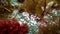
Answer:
(54, 11)
(42, 8)
(25, 14)
(56, 5)
(20, 22)
(22, 19)
(45, 16)
(51, 3)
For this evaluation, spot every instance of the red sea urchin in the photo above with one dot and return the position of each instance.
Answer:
(11, 26)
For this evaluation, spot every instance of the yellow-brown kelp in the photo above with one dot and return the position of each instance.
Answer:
(5, 9)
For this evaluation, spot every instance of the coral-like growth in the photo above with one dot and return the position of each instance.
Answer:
(11, 26)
